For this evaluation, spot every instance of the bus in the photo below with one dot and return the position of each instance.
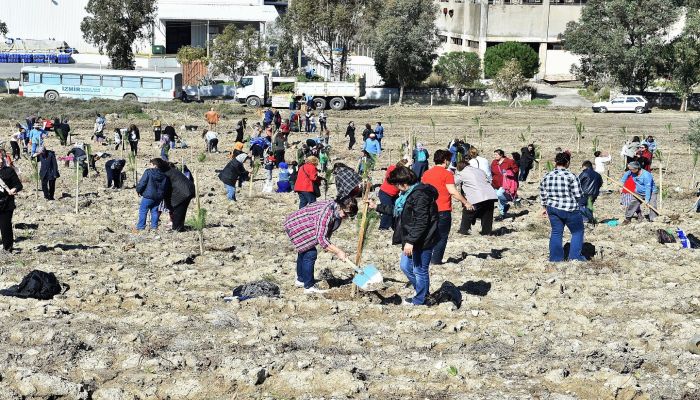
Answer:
(52, 83)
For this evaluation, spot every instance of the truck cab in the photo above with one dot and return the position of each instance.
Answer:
(253, 90)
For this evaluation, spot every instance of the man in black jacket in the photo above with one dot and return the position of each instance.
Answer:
(233, 172)
(48, 173)
(591, 182)
(415, 228)
(178, 198)
(10, 184)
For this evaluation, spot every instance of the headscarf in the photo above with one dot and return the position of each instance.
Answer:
(242, 157)
(419, 146)
(401, 200)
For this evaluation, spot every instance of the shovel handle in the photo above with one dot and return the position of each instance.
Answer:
(352, 264)
(635, 195)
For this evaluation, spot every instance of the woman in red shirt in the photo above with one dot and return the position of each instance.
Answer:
(387, 195)
(306, 178)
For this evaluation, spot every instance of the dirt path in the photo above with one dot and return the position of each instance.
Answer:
(144, 316)
(561, 97)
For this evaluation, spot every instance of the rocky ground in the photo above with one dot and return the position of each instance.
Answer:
(143, 316)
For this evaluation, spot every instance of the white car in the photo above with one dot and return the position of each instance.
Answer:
(635, 103)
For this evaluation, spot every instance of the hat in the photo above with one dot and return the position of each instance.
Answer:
(283, 165)
(634, 165)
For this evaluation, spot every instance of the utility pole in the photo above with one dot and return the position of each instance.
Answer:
(207, 38)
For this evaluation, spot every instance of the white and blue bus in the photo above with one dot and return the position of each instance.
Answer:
(52, 83)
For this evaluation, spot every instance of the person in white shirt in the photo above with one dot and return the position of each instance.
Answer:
(600, 162)
(476, 161)
(212, 139)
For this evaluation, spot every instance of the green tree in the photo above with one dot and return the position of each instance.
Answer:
(280, 38)
(404, 52)
(684, 53)
(459, 68)
(187, 54)
(328, 25)
(115, 25)
(620, 39)
(497, 56)
(237, 52)
(510, 81)
(3, 28)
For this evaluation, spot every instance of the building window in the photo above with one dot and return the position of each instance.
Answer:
(555, 46)
(443, 38)
(568, 2)
(457, 41)
(473, 44)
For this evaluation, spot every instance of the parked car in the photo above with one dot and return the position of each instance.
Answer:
(634, 103)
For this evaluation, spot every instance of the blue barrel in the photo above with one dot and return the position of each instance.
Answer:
(52, 58)
(38, 58)
(3, 58)
(27, 58)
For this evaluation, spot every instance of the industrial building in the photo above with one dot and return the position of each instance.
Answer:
(178, 22)
(474, 25)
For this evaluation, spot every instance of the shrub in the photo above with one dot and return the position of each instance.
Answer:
(459, 68)
(496, 56)
(187, 54)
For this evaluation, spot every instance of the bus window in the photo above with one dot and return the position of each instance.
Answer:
(167, 83)
(73, 80)
(91, 80)
(34, 78)
(151, 83)
(111, 81)
(51, 79)
(131, 82)
(25, 77)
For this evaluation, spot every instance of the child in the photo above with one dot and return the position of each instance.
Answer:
(324, 158)
(283, 185)
(269, 164)
(117, 138)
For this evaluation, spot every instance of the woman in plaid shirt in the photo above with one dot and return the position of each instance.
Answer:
(560, 191)
(313, 225)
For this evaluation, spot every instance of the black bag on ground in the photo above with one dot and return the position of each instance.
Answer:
(36, 285)
(448, 292)
(256, 289)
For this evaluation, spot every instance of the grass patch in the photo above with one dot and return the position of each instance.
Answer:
(531, 103)
(17, 108)
(595, 96)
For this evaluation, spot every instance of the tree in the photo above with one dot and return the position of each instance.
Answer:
(280, 38)
(459, 68)
(237, 52)
(328, 25)
(188, 54)
(683, 54)
(3, 28)
(404, 52)
(115, 25)
(497, 56)
(510, 81)
(620, 39)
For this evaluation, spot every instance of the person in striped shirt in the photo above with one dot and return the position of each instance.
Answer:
(560, 192)
(313, 225)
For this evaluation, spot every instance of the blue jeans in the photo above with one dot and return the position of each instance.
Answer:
(503, 200)
(305, 267)
(416, 269)
(230, 192)
(386, 220)
(306, 198)
(444, 225)
(572, 220)
(146, 206)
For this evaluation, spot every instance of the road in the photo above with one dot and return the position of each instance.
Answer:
(561, 97)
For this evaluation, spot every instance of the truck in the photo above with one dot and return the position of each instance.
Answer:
(261, 90)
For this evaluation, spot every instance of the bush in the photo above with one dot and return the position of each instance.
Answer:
(496, 56)
(459, 68)
(693, 136)
(187, 54)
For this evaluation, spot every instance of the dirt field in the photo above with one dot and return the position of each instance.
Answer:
(144, 317)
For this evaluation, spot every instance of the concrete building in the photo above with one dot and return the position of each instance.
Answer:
(474, 25)
(178, 22)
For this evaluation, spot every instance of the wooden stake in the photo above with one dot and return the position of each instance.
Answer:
(661, 185)
(77, 184)
(635, 195)
(363, 226)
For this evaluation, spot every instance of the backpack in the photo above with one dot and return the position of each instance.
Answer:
(37, 285)
(421, 156)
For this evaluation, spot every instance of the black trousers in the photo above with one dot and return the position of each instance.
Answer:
(8, 238)
(15, 151)
(48, 186)
(279, 156)
(179, 214)
(134, 148)
(482, 211)
(351, 143)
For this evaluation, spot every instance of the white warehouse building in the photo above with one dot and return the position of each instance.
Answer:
(178, 22)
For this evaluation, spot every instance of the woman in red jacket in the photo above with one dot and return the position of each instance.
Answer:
(307, 177)
(501, 167)
(387, 195)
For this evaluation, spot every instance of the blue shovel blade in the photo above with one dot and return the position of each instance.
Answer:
(368, 275)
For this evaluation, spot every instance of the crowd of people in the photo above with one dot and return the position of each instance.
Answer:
(415, 199)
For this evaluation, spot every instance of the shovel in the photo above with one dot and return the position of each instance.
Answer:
(367, 278)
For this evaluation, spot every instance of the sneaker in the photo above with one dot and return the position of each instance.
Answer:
(298, 283)
(626, 221)
(407, 301)
(314, 289)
